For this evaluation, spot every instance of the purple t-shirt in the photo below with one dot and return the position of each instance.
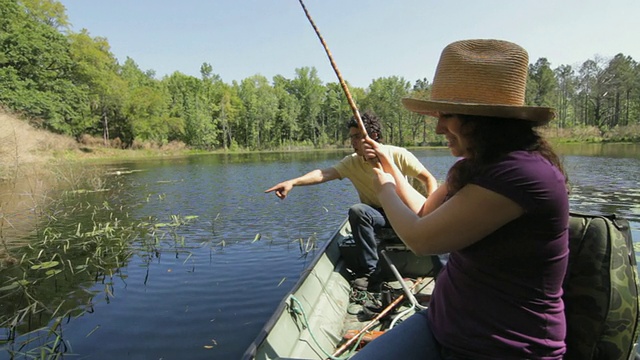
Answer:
(501, 296)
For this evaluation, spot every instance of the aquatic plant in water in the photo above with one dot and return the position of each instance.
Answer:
(54, 279)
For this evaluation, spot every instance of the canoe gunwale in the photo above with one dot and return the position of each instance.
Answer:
(283, 305)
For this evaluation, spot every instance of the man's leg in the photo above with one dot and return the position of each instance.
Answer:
(364, 221)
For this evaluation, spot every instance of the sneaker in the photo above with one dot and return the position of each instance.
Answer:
(361, 283)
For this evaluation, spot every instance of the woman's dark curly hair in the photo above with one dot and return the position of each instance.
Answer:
(371, 124)
(491, 138)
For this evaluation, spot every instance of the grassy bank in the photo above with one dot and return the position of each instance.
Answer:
(21, 144)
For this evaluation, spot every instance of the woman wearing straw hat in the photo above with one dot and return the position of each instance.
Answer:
(502, 215)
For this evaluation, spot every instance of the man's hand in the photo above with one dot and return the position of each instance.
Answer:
(370, 149)
(375, 156)
(281, 189)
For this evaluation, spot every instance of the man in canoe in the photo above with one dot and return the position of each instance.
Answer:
(366, 217)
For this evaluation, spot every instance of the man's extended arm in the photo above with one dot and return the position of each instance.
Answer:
(314, 177)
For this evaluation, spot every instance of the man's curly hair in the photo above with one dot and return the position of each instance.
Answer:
(371, 124)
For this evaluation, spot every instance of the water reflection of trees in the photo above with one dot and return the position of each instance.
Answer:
(609, 184)
(589, 198)
(84, 239)
(72, 248)
(609, 150)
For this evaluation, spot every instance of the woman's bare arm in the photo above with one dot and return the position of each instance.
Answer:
(471, 214)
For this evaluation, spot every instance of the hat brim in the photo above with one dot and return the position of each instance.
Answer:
(540, 115)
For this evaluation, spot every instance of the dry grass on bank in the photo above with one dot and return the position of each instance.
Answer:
(25, 176)
(35, 163)
(23, 145)
(20, 143)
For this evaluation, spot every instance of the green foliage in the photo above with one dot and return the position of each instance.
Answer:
(48, 12)
(541, 84)
(73, 84)
(336, 109)
(97, 69)
(308, 90)
(36, 69)
(384, 98)
(260, 111)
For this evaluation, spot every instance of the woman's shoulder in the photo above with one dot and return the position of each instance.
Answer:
(522, 168)
(525, 176)
(525, 169)
(523, 162)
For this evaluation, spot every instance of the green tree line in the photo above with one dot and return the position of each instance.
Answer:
(73, 84)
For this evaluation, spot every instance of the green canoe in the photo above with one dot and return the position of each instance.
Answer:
(322, 317)
(322, 313)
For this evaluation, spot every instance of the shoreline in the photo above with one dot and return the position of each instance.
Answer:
(22, 144)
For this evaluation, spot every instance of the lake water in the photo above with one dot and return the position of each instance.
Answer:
(205, 289)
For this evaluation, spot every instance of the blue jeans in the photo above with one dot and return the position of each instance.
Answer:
(411, 339)
(364, 221)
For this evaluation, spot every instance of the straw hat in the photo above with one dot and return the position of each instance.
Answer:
(484, 78)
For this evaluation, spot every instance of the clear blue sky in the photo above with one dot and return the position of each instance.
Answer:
(369, 39)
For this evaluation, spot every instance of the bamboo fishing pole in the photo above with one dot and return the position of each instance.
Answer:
(352, 104)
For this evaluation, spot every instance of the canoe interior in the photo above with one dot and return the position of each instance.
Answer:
(312, 319)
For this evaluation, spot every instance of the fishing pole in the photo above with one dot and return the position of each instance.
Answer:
(352, 104)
